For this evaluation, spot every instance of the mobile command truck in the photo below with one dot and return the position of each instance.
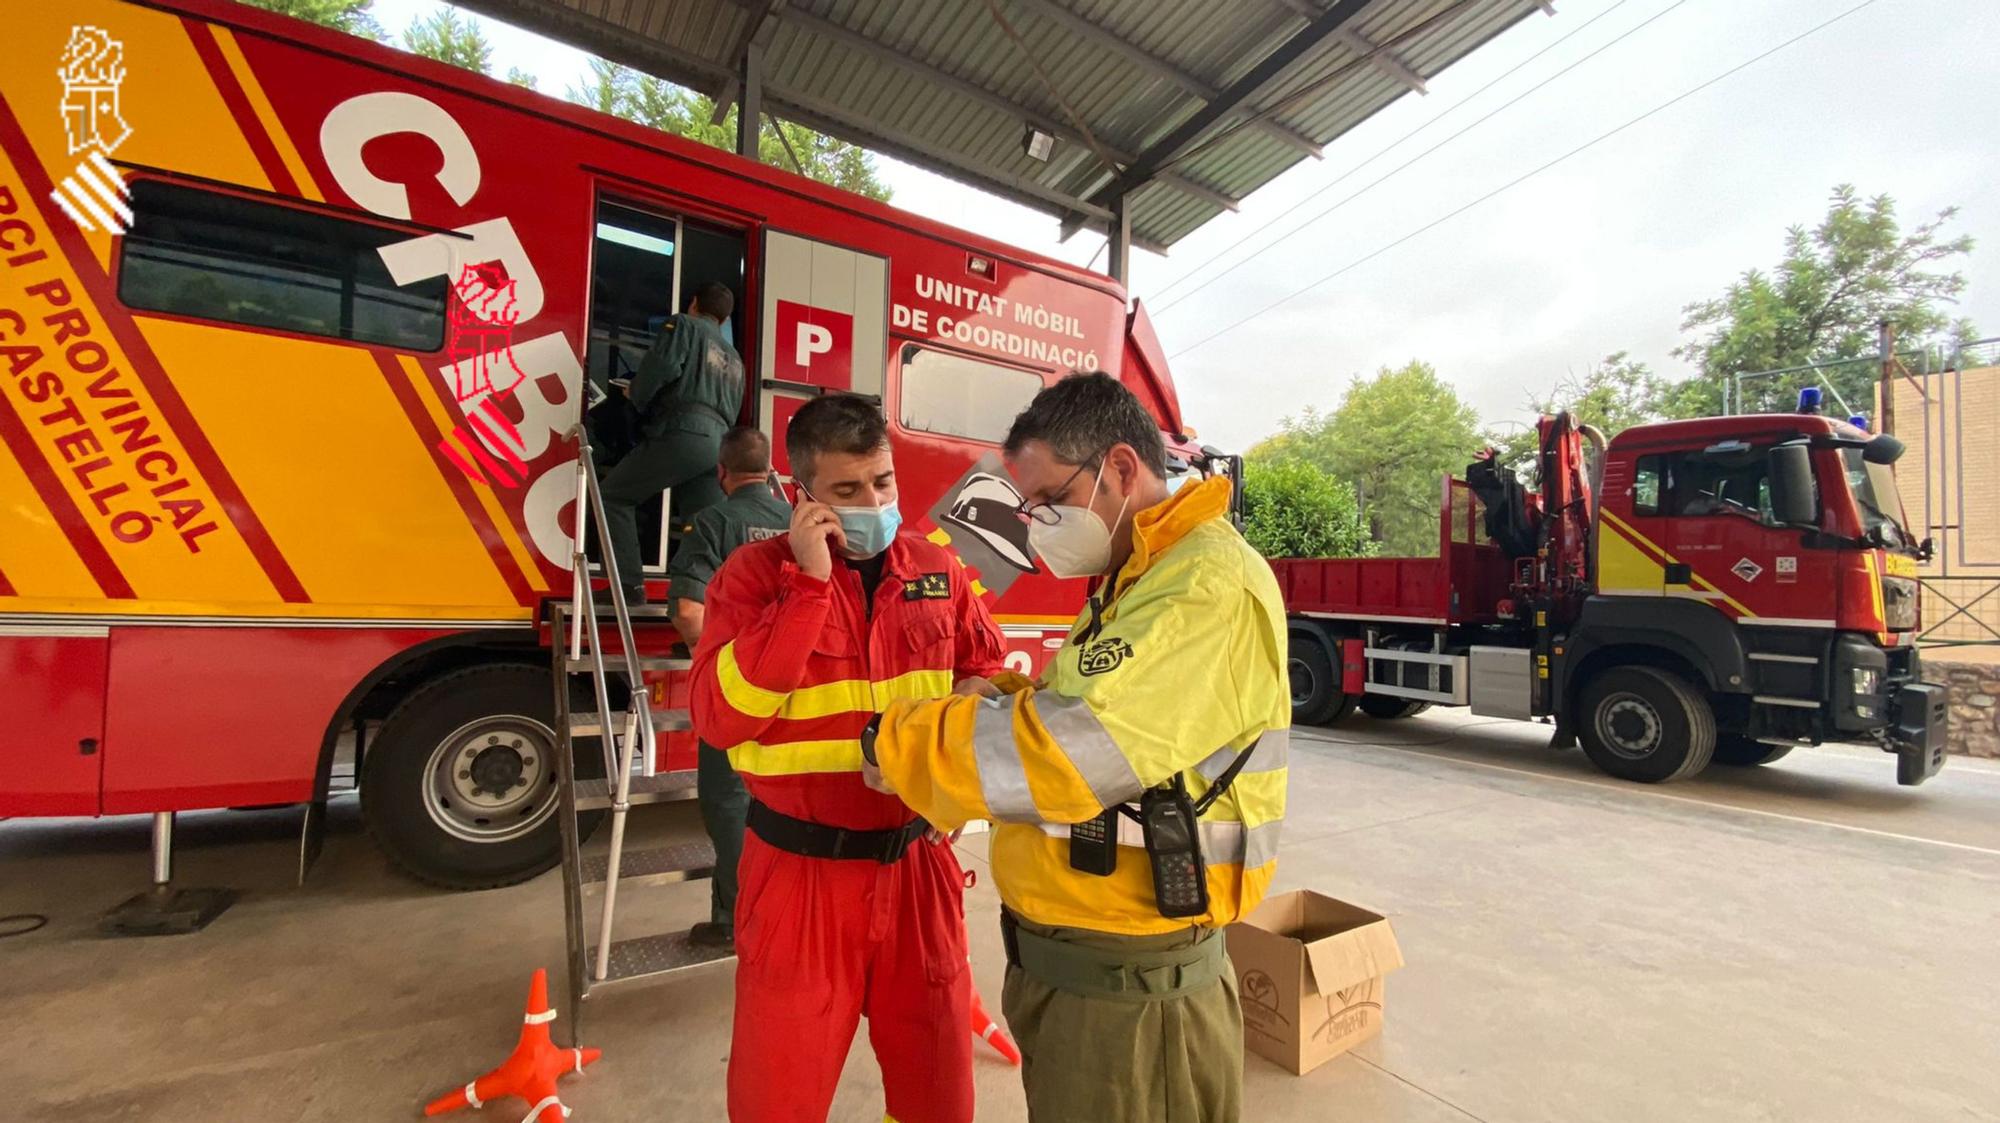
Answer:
(293, 328)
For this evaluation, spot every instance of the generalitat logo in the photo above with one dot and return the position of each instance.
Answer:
(94, 194)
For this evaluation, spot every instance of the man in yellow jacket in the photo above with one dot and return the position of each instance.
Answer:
(1161, 724)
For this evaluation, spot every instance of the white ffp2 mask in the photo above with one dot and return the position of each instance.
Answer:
(1079, 544)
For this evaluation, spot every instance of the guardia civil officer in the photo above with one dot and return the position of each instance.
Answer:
(752, 512)
(689, 391)
(1138, 789)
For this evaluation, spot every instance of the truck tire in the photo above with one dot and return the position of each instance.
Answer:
(459, 787)
(1739, 751)
(1646, 724)
(1382, 707)
(1316, 695)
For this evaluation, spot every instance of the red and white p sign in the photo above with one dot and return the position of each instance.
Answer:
(814, 345)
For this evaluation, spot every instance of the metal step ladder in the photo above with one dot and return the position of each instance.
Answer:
(578, 649)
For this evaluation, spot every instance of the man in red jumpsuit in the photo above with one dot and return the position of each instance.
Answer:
(848, 904)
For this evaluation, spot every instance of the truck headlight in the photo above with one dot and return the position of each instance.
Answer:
(1866, 681)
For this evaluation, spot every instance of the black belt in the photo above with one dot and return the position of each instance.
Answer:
(817, 840)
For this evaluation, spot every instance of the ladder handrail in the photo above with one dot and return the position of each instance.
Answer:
(638, 714)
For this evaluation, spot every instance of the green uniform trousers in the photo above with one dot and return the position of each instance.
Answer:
(678, 459)
(725, 804)
(1091, 1056)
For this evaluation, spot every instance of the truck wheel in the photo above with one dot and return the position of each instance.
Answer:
(1744, 752)
(1646, 724)
(1316, 695)
(459, 788)
(1382, 707)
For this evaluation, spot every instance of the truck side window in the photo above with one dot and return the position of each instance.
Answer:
(1720, 483)
(959, 397)
(217, 256)
(1646, 486)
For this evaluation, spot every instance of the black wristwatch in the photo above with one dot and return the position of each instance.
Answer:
(868, 741)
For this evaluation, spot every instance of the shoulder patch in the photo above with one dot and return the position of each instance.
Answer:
(929, 586)
(760, 533)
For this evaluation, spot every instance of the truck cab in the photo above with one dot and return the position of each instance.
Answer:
(1768, 557)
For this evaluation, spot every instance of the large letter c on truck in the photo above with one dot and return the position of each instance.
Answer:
(353, 123)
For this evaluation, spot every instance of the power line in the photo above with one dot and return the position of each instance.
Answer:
(1405, 165)
(1520, 179)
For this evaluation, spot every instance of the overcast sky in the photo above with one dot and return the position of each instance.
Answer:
(1595, 255)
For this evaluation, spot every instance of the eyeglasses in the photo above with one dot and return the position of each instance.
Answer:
(1046, 513)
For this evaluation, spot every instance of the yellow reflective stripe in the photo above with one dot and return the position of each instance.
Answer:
(796, 758)
(744, 696)
(826, 699)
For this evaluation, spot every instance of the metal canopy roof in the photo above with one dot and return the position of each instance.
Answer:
(1178, 107)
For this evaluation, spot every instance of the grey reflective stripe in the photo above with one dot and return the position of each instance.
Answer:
(1089, 747)
(1001, 778)
(1223, 841)
(1261, 843)
(1274, 750)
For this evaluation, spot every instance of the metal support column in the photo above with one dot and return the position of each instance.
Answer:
(750, 99)
(1120, 235)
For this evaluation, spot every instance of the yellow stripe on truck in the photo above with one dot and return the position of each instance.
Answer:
(281, 140)
(323, 451)
(516, 548)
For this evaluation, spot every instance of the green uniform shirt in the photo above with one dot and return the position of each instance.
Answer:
(750, 514)
(691, 381)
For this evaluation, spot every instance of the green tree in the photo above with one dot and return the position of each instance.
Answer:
(449, 37)
(1293, 510)
(1394, 438)
(635, 96)
(1616, 393)
(521, 78)
(350, 16)
(1822, 302)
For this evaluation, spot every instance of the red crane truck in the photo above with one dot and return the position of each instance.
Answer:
(1723, 589)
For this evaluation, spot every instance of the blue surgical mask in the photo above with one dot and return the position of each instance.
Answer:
(869, 530)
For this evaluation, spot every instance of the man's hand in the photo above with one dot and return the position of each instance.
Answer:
(871, 775)
(977, 687)
(814, 536)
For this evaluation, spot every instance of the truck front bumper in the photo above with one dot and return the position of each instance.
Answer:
(1917, 734)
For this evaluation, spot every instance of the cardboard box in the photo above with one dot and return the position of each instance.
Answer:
(1309, 969)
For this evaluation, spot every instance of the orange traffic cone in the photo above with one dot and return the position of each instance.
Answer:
(530, 1071)
(989, 1031)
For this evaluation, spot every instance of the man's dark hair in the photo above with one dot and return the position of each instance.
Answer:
(1083, 415)
(845, 423)
(745, 452)
(715, 301)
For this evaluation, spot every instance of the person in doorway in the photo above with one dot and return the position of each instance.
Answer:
(1170, 693)
(688, 392)
(850, 904)
(752, 512)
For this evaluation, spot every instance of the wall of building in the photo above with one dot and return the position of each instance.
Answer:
(1950, 480)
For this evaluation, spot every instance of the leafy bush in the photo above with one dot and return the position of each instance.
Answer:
(1293, 510)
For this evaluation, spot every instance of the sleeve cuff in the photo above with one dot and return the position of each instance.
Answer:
(687, 588)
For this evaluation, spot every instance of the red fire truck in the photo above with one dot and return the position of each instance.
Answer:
(1724, 589)
(294, 327)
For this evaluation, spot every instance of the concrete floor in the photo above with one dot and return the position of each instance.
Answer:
(1801, 942)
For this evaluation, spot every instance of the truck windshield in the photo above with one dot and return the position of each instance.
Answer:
(1874, 487)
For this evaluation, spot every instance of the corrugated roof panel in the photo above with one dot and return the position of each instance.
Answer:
(1084, 50)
